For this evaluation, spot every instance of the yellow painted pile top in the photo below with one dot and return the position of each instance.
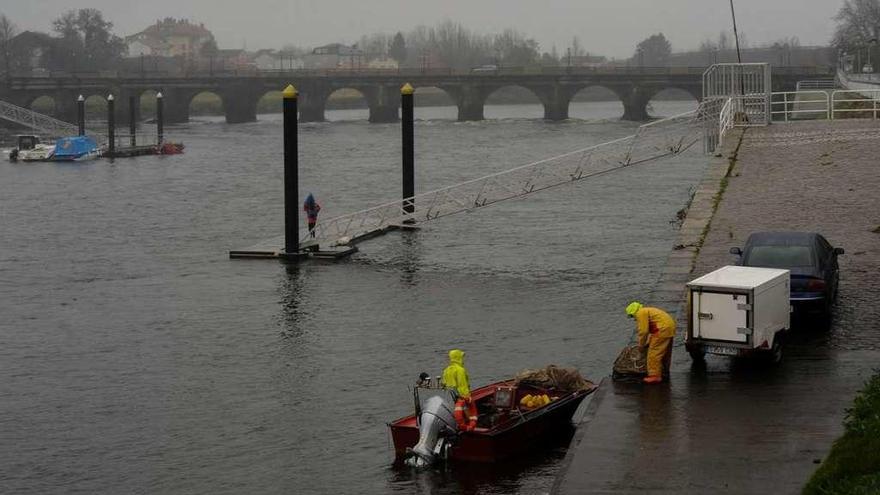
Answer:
(407, 89)
(289, 92)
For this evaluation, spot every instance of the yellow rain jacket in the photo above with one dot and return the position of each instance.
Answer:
(654, 322)
(455, 376)
(657, 324)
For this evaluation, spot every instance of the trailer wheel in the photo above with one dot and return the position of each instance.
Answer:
(697, 354)
(774, 355)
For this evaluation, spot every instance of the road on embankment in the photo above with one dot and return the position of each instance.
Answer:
(736, 426)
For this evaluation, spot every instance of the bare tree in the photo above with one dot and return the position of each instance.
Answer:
(858, 22)
(8, 30)
(86, 41)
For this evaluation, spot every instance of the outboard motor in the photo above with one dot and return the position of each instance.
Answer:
(436, 426)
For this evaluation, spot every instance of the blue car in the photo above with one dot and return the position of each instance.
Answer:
(810, 258)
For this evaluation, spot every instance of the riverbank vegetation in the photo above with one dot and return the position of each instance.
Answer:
(853, 465)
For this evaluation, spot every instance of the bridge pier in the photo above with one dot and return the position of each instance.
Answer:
(176, 105)
(635, 104)
(471, 102)
(385, 105)
(556, 100)
(312, 103)
(383, 114)
(240, 105)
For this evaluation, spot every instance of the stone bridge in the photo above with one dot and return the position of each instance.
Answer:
(554, 87)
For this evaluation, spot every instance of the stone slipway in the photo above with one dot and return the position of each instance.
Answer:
(736, 427)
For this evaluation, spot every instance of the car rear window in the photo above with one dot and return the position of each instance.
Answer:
(779, 256)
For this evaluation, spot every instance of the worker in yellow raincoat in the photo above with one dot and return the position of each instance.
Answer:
(455, 378)
(655, 329)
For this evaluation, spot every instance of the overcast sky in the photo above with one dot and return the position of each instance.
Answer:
(609, 27)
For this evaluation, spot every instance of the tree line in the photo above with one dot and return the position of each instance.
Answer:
(83, 41)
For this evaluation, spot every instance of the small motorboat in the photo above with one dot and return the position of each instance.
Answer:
(39, 153)
(76, 148)
(507, 425)
(30, 149)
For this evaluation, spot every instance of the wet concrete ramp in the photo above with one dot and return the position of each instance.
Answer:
(731, 431)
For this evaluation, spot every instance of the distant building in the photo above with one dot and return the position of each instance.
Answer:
(30, 50)
(170, 38)
(586, 61)
(235, 59)
(334, 56)
(383, 63)
(266, 60)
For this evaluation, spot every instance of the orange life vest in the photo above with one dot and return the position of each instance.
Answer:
(466, 421)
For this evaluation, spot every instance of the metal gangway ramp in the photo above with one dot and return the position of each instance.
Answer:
(44, 124)
(652, 141)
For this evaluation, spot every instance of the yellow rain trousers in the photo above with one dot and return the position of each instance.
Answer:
(656, 329)
(455, 376)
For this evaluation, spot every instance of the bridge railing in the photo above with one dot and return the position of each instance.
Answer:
(404, 71)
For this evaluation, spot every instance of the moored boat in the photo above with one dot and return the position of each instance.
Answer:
(39, 153)
(30, 149)
(76, 148)
(506, 425)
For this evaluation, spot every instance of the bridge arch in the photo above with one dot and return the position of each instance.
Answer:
(96, 106)
(348, 103)
(206, 102)
(45, 104)
(673, 100)
(147, 104)
(434, 102)
(270, 102)
(595, 102)
(528, 99)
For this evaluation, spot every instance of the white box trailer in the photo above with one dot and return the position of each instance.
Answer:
(738, 311)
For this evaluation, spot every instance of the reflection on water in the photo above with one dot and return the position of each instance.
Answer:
(542, 462)
(294, 298)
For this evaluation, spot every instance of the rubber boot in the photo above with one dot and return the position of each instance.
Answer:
(652, 379)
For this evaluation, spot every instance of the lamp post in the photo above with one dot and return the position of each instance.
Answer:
(735, 33)
(111, 125)
(872, 54)
(81, 115)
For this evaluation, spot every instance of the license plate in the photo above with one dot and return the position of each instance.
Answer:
(724, 351)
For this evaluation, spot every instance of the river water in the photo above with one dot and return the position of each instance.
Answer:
(137, 358)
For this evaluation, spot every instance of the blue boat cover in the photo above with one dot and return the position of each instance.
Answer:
(74, 147)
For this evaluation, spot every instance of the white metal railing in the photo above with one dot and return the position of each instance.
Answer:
(811, 84)
(860, 102)
(790, 105)
(725, 120)
(44, 124)
(724, 80)
(652, 141)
